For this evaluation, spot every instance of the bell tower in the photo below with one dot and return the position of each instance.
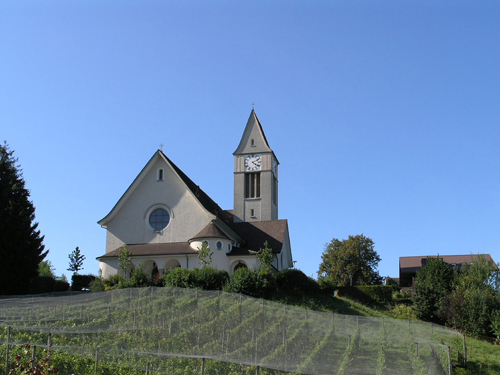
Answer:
(255, 176)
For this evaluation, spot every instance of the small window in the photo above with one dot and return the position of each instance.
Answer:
(160, 174)
(252, 212)
(252, 142)
(219, 245)
(205, 243)
(229, 246)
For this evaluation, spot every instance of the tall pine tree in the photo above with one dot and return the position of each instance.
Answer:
(21, 245)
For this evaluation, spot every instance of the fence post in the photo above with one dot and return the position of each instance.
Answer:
(465, 352)
(33, 357)
(49, 344)
(449, 362)
(203, 366)
(147, 369)
(96, 359)
(8, 349)
(258, 370)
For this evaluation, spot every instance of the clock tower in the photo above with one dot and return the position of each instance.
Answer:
(255, 176)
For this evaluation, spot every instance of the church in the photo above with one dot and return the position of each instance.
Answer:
(164, 218)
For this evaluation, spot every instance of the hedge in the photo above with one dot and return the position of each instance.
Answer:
(366, 293)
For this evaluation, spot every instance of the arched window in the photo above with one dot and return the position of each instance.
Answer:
(160, 174)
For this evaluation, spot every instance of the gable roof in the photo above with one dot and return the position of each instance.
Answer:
(202, 197)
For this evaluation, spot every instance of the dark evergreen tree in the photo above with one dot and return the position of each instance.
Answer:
(21, 245)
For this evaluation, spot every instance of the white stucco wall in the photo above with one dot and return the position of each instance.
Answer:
(130, 222)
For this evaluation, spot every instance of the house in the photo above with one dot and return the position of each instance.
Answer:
(164, 218)
(408, 266)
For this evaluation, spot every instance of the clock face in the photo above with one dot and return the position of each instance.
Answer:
(253, 162)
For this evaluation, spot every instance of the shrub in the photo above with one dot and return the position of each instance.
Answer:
(367, 293)
(178, 277)
(97, 285)
(251, 283)
(42, 284)
(290, 282)
(326, 285)
(115, 281)
(61, 286)
(80, 282)
(209, 278)
(139, 278)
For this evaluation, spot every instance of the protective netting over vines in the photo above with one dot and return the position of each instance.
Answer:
(146, 326)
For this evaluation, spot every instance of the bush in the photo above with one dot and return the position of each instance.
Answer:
(251, 283)
(139, 278)
(42, 284)
(80, 282)
(115, 281)
(291, 282)
(61, 286)
(326, 286)
(178, 277)
(367, 293)
(206, 278)
(97, 285)
(209, 278)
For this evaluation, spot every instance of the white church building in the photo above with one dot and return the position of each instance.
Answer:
(163, 218)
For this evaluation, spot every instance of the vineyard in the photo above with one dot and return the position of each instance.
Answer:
(174, 331)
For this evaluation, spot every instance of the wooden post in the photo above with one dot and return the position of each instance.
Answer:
(147, 368)
(49, 344)
(33, 357)
(465, 352)
(203, 366)
(96, 359)
(449, 362)
(7, 354)
(258, 370)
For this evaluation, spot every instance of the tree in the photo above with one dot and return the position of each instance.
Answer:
(21, 245)
(46, 268)
(76, 259)
(350, 262)
(433, 282)
(265, 257)
(125, 259)
(205, 255)
(470, 306)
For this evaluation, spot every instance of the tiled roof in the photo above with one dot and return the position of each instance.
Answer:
(154, 249)
(416, 261)
(202, 197)
(258, 232)
(210, 231)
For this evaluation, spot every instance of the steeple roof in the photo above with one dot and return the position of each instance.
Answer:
(253, 131)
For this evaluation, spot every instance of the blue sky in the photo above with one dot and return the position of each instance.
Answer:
(384, 115)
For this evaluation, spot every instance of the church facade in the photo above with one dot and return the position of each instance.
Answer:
(164, 218)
